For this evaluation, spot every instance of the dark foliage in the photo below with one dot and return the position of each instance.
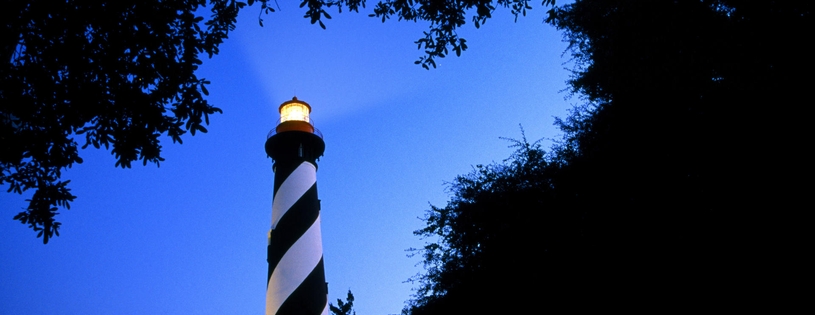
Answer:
(343, 308)
(664, 193)
(445, 18)
(671, 165)
(503, 241)
(117, 74)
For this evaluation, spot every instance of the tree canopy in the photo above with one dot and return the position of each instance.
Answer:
(343, 308)
(657, 196)
(501, 242)
(444, 17)
(117, 74)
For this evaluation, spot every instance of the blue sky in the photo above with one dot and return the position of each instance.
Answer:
(189, 236)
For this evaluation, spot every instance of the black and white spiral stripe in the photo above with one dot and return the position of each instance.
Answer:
(296, 283)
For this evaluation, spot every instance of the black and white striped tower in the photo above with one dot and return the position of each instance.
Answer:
(296, 280)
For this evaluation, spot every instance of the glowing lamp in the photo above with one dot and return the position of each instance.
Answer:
(294, 110)
(294, 116)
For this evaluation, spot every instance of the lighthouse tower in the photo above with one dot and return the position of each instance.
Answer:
(296, 280)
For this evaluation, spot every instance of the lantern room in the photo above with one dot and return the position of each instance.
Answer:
(294, 116)
(294, 110)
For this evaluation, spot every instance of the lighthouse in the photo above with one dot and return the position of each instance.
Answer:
(296, 280)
